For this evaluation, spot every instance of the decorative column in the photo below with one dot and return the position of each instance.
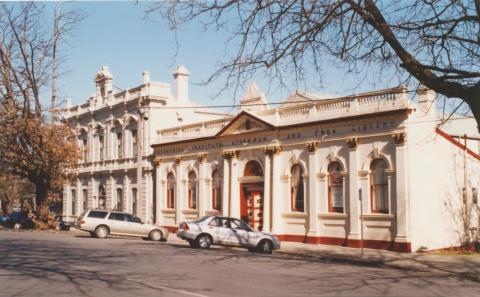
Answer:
(226, 182)
(401, 197)
(66, 202)
(312, 196)
(276, 208)
(230, 182)
(108, 136)
(127, 195)
(203, 180)
(267, 191)
(111, 199)
(148, 197)
(159, 190)
(235, 187)
(180, 186)
(79, 198)
(353, 180)
(93, 201)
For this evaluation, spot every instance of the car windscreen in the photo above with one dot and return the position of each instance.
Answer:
(97, 214)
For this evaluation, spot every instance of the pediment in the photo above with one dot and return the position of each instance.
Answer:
(245, 122)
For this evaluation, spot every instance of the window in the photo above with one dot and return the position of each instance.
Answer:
(253, 169)
(170, 191)
(100, 146)
(379, 186)
(134, 201)
(335, 187)
(119, 205)
(133, 219)
(102, 197)
(117, 216)
(216, 190)
(192, 190)
(119, 145)
(134, 143)
(85, 199)
(74, 202)
(237, 224)
(85, 149)
(97, 214)
(297, 191)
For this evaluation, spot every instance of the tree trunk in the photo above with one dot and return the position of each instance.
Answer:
(474, 103)
(41, 192)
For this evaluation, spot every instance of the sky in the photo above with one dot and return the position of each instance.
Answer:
(118, 35)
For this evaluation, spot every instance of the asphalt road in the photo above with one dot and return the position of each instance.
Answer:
(48, 264)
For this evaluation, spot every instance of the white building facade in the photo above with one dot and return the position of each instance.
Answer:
(325, 171)
(115, 131)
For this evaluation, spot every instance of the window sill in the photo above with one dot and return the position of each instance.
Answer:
(377, 217)
(190, 211)
(294, 215)
(212, 212)
(332, 215)
(168, 210)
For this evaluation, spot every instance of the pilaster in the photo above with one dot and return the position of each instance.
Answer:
(312, 193)
(401, 198)
(353, 207)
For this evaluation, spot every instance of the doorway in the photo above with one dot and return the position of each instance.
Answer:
(251, 206)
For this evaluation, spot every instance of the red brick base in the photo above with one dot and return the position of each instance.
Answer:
(355, 243)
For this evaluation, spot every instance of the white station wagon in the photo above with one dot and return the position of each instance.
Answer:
(226, 231)
(101, 223)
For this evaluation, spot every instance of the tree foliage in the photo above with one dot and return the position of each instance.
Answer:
(436, 42)
(31, 146)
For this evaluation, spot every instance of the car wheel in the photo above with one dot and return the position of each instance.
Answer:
(265, 247)
(204, 241)
(17, 226)
(155, 235)
(101, 232)
(193, 243)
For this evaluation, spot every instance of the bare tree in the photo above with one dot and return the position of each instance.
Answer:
(30, 146)
(435, 42)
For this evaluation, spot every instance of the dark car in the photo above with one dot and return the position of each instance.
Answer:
(62, 225)
(19, 220)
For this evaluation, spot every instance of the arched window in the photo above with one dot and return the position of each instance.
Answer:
(74, 202)
(170, 191)
(134, 201)
(379, 186)
(216, 190)
(297, 190)
(119, 144)
(85, 199)
(102, 197)
(119, 205)
(335, 187)
(192, 190)
(252, 168)
(133, 133)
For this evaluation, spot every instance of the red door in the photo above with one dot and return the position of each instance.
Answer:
(252, 208)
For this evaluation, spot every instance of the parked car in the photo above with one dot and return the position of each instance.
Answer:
(101, 223)
(226, 231)
(17, 220)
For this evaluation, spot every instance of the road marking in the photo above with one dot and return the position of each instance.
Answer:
(166, 288)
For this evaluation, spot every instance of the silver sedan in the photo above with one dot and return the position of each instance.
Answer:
(226, 231)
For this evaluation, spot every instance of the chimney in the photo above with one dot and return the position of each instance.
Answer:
(180, 85)
(146, 77)
(426, 101)
(104, 82)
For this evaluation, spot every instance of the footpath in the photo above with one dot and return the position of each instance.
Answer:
(463, 266)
